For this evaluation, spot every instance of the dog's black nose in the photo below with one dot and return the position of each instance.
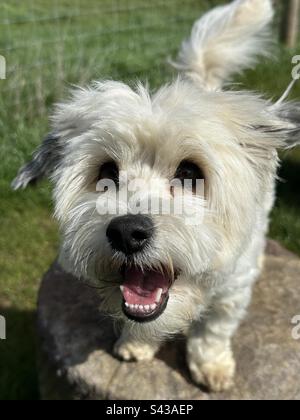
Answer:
(130, 234)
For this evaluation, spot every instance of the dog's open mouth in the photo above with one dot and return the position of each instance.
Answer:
(145, 293)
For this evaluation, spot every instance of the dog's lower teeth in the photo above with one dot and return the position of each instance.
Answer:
(141, 308)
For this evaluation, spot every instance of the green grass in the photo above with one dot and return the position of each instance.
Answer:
(50, 45)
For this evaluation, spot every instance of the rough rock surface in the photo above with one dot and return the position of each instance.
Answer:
(76, 340)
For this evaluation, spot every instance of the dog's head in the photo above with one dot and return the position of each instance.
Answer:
(150, 263)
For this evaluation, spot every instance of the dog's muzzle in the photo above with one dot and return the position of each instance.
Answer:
(145, 292)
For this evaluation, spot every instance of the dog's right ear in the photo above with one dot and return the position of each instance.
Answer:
(45, 160)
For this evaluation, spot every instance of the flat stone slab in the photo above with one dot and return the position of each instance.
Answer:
(76, 341)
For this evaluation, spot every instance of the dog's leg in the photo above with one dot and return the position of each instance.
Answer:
(209, 352)
(129, 348)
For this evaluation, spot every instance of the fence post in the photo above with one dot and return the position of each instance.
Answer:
(2, 328)
(2, 67)
(290, 22)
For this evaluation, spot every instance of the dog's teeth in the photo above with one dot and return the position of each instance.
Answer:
(122, 289)
(158, 295)
(141, 308)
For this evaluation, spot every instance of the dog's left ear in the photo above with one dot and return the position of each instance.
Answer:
(45, 160)
(288, 115)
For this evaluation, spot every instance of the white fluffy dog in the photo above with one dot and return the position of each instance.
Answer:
(159, 274)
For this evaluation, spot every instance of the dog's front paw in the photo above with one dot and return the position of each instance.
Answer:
(134, 351)
(211, 367)
(215, 376)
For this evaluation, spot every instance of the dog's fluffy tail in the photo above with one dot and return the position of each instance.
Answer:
(226, 40)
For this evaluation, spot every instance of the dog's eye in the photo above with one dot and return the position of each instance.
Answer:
(109, 170)
(189, 171)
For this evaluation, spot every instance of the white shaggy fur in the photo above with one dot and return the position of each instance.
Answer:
(232, 136)
(225, 41)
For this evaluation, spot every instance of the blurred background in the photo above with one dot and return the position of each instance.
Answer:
(50, 45)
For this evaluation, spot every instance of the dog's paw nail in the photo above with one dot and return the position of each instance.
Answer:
(122, 352)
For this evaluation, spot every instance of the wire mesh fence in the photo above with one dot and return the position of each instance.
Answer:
(49, 45)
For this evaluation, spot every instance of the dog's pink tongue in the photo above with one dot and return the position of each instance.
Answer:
(144, 287)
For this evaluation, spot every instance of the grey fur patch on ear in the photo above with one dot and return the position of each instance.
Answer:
(289, 114)
(44, 161)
